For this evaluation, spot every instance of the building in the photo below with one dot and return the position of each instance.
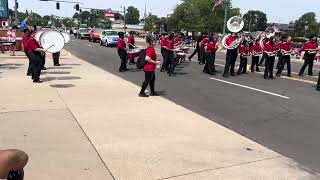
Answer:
(282, 28)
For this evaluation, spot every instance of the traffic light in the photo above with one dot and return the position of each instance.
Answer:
(17, 4)
(80, 10)
(58, 5)
(77, 7)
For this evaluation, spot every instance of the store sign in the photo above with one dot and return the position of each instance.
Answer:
(4, 13)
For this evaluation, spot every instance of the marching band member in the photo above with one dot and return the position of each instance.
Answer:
(36, 55)
(279, 54)
(149, 68)
(163, 44)
(244, 53)
(25, 47)
(256, 51)
(211, 49)
(286, 50)
(131, 44)
(178, 40)
(56, 58)
(122, 52)
(231, 56)
(264, 56)
(170, 58)
(202, 45)
(310, 53)
(197, 50)
(270, 50)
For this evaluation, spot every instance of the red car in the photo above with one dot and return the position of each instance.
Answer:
(95, 34)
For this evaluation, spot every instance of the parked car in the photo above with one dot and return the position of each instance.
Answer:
(108, 37)
(83, 33)
(95, 34)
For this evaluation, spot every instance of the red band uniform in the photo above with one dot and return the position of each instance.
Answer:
(269, 49)
(231, 57)
(170, 58)
(286, 48)
(131, 42)
(256, 51)
(36, 58)
(211, 49)
(308, 57)
(244, 53)
(202, 51)
(121, 45)
(25, 47)
(163, 43)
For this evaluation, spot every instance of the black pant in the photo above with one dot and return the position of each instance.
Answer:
(150, 78)
(202, 55)
(285, 60)
(243, 65)
(308, 61)
(56, 58)
(264, 56)
(37, 62)
(165, 65)
(171, 62)
(268, 72)
(255, 63)
(280, 62)
(197, 50)
(209, 67)
(30, 62)
(230, 62)
(318, 84)
(43, 63)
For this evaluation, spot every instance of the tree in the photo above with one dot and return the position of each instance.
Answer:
(306, 25)
(133, 15)
(255, 21)
(150, 24)
(197, 15)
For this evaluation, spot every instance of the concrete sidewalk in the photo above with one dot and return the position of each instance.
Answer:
(85, 123)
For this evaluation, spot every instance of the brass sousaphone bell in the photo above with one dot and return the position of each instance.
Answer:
(235, 24)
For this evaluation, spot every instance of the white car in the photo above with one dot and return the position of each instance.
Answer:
(109, 37)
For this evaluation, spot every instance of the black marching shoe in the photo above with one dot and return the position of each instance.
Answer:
(289, 75)
(143, 95)
(29, 74)
(37, 81)
(57, 65)
(154, 94)
(44, 68)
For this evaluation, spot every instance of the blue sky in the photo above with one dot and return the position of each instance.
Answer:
(277, 10)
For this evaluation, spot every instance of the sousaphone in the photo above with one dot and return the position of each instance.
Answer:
(235, 24)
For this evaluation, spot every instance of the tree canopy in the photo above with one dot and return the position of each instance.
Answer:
(132, 15)
(306, 25)
(197, 15)
(255, 21)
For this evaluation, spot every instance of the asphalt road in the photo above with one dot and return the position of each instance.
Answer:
(281, 114)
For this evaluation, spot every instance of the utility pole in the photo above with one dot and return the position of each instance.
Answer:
(226, 5)
(16, 11)
(124, 19)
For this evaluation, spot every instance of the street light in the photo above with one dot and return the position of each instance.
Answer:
(124, 19)
(226, 5)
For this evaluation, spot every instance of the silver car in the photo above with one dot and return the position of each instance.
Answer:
(109, 37)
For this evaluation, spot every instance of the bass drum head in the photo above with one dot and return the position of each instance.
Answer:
(66, 37)
(53, 40)
(38, 34)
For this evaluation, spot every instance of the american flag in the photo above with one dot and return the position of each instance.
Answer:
(216, 3)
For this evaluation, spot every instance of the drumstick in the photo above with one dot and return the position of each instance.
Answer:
(49, 47)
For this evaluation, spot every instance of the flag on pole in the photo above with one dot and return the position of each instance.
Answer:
(216, 3)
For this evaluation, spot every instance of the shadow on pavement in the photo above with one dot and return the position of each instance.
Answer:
(61, 78)
(57, 72)
(11, 64)
(62, 85)
(71, 64)
(59, 67)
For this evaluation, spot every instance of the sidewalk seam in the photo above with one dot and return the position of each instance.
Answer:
(33, 110)
(85, 135)
(224, 167)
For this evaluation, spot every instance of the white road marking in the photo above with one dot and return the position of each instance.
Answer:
(251, 88)
(89, 45)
